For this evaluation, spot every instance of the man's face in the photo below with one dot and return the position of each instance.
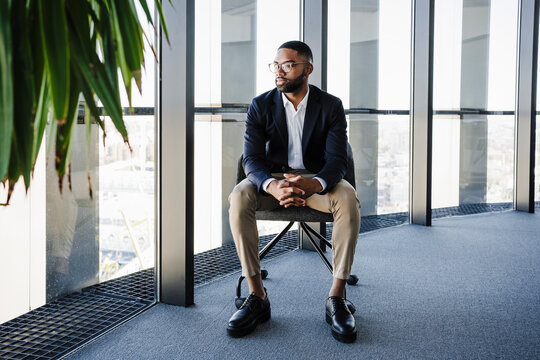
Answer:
(292, 81)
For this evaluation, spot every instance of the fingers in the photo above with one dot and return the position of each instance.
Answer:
(283, 184)
(292, 201)
(290, 192)
(292, 177)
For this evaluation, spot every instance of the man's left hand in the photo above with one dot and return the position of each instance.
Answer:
(310, 186)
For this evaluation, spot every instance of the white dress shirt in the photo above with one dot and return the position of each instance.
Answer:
(295, 127)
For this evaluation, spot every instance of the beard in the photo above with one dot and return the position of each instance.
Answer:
(292, 85)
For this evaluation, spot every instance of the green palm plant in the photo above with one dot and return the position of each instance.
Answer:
(51, 52)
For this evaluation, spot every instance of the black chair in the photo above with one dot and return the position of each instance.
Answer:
(302, 216)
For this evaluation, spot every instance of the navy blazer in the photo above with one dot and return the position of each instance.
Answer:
(324, 138)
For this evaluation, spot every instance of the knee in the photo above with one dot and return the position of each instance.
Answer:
(346, 194)
(345, 198)
(242, 196)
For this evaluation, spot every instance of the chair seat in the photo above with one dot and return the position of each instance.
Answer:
(293, 213)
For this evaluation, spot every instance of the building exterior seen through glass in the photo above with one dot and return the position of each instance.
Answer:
(234, 42)
(369, 70)
(474, 82)
(60, 243)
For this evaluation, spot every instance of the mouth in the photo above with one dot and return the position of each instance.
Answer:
(281, 81)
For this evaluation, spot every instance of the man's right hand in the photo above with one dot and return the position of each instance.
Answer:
(286, 193)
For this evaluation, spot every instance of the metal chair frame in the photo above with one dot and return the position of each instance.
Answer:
(309, 231)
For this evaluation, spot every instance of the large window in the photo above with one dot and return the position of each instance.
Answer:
(56, 243)
(473, 101)
(369, 69)
(234, 42)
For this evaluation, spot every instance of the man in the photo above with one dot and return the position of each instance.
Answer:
(295, 154)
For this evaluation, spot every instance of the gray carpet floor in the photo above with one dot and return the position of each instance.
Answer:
(465, 288)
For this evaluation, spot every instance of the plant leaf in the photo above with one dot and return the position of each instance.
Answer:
(88, 127)
(120, 54)
(54, 35)
(36, 46)
(65, 130)
(144, 5)
(162, 21)
(40, 121)
(108, 42)
(13, 173)
(90, 103)
(23, 89)
(91, 68)
(6, 87)
(131, 33)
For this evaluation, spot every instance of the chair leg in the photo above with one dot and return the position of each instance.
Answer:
(317, 247)
(319, 236)
(353, 279)
(274, 241)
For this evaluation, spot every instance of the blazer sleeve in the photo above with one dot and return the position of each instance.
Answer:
(335, 153)
(256, 166)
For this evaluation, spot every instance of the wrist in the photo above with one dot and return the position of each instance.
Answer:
(271, 186)
(317, 187)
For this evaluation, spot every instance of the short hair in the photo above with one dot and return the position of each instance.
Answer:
(301, 47)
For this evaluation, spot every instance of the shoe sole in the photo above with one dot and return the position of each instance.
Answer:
(239, 332)
(344, 338)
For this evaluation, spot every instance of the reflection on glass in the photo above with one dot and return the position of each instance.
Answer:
(474, 69)
(369, 68)
(126, 198)
(93, 240)
(472, 164)
(234, 42)
(380, 144)
(220, 143)
(72, 220)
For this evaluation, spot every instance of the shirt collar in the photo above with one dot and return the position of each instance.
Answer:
(302, 104)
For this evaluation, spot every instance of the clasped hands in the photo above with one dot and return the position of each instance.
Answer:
(293, 190)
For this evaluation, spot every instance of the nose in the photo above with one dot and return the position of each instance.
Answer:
(280, 71)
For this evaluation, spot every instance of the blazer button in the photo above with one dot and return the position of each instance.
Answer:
(284, 168)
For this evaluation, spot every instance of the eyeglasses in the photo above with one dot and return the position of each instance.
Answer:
(286, 67)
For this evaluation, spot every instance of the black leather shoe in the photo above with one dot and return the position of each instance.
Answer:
(253, 311)
(340, 319)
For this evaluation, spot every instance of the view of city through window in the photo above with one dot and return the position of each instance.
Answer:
(126, 184)
(234, 42)
(369, 70)
(126, 197)
(473, 72)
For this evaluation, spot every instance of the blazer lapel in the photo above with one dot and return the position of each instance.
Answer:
(312, 116)
(278, 113)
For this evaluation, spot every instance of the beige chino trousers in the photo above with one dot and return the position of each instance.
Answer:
(341, 202)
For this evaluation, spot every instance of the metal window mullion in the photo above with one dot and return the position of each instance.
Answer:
(421, 117)
(315, 34)
(525, 127)
(175, 155)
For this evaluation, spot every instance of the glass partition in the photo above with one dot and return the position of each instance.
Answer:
(369, 69)
(64, 238)
(234, 42)
(473, 101)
